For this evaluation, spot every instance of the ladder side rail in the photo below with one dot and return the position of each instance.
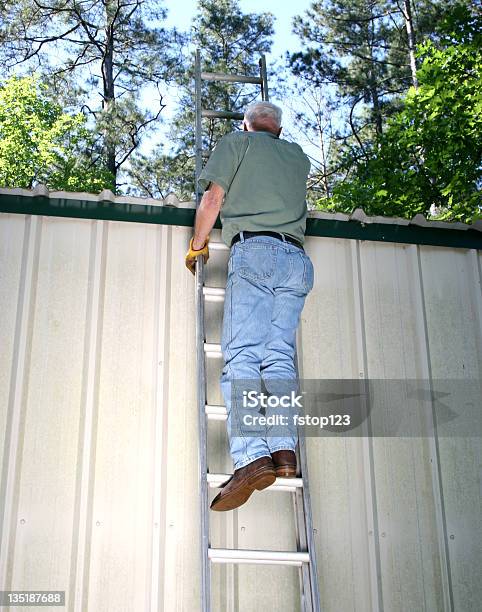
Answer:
(306, 589)
(315, 590)
(302, 544)
(201, 371)
(264, 79)
(201, 385)
(198, 141)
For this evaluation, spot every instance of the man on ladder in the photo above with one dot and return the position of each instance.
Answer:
(257, 182)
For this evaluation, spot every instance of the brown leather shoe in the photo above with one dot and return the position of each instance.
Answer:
(284, 463)
(237, 489)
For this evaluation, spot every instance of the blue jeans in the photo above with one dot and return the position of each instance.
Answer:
(268, 281)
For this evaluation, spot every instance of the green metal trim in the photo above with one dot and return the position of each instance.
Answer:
(170, 215)
(386, 232)
(86, 209)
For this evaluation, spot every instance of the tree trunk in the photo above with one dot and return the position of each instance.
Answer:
(407, 15)
(324, 165)
(372, 80)
(108, 103)
(376, 108)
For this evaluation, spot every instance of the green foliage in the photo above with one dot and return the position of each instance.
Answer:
(430, 154)
(359, 55)
(98, 56)
(39, 143)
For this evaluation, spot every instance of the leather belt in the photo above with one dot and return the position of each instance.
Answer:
(266, 233)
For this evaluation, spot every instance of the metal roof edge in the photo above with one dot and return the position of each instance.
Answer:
(419, 220)
(170, 211)
(104, 196)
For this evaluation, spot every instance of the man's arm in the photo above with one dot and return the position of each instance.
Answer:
(207, 214)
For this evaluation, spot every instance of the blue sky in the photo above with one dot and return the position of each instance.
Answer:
(182, 11)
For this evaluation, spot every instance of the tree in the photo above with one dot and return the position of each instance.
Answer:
(364, 51)
(118, 44)
(430, 155)
(160, 174)
(231, 43)
(312, 124)
(39, 143)
(351, 40)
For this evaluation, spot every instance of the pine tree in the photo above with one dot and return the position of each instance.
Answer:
(105, 51)
(362, 54)
(230, 42)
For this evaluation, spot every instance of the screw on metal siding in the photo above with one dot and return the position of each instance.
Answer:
(22, 521)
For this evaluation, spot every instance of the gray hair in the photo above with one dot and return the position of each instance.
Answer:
(263, 112)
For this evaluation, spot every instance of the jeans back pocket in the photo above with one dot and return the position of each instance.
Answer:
(257, 261)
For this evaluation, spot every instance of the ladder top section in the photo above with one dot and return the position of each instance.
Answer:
(212, 114)
(230, 78)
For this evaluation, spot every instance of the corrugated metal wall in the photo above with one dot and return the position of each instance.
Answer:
(98, 405)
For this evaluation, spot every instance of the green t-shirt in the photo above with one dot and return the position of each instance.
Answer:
(264, 178)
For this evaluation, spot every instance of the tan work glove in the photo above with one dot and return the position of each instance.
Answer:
(193, 254)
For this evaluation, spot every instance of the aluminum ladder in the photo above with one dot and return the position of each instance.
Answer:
(304, 556)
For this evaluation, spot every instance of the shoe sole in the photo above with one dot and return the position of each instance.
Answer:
(240, 496)
(265, 481)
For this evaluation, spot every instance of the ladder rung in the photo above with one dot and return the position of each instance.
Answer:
(280, 484)
(212, 114)
(214, 294)
(216, 413)
(212, 349)
(231, 78)
(218, 246)
(268, 557)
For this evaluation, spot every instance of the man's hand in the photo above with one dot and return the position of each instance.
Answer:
(193, 254)
(206, 215)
